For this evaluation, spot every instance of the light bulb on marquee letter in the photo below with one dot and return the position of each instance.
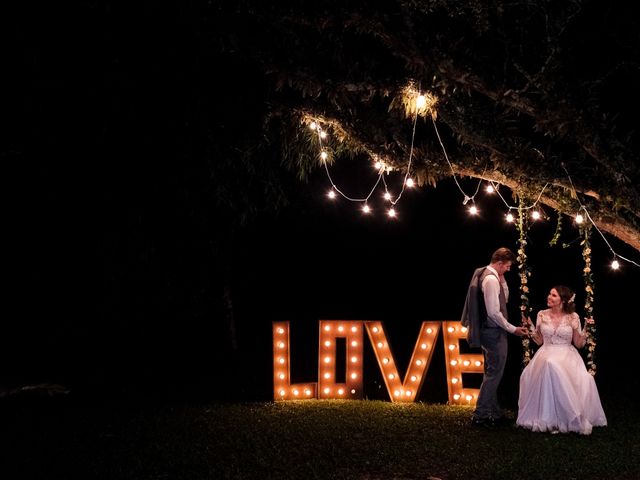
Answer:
(458, 363)
(352, 332)
(282, 388)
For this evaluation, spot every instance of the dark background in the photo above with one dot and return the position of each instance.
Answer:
(116, 129)
(416, 268)
(121, 305)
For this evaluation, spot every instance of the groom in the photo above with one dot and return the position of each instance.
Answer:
(485, 316)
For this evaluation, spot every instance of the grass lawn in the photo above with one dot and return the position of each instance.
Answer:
(302, 440)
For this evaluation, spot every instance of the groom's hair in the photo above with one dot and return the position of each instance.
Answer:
(503, 255)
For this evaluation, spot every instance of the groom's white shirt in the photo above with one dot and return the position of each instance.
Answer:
(491, 291)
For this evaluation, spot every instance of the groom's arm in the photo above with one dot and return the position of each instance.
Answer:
(491, 292)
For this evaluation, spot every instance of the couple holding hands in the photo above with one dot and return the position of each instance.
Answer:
(557, 394)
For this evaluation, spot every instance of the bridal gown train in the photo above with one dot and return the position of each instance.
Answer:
(556, 391)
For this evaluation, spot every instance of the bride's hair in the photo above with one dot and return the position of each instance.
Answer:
(567, 296)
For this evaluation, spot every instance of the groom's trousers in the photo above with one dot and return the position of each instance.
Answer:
(494, 348)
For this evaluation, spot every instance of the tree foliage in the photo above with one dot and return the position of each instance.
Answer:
(527, 91)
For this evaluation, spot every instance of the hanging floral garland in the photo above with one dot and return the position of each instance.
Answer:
(556, 236)
(525, 273)
(587, 275)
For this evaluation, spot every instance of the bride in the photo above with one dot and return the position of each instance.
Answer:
(557, 394)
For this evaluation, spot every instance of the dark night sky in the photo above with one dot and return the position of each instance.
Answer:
(110, 282)
(114, 296)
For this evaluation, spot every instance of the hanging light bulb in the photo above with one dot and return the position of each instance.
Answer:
(473, 210)
(410, 182)
(387, 196)
(509, 217)
(377, 165)
(313, 125)
(324, 155)
(535, 215)
(579, 218)
(366, 209)
(391, 213)
(331, 194)
(490, 189)
(323, 134)
(421, 101)
(615, 264)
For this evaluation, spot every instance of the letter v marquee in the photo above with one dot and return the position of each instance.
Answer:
(407, 390)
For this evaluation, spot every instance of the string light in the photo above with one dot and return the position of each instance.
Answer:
(424, 104)
(467, 198)
(586, 212)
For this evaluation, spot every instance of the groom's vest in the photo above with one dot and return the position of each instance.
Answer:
(483, 307)
(474, 313)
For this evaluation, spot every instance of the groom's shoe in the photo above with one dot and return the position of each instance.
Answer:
(481, 422)
(502, 421)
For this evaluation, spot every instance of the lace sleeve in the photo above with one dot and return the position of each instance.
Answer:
(536, 333)
(575, 321)
(579, 336)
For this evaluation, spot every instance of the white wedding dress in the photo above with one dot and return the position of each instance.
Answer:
(556, 391)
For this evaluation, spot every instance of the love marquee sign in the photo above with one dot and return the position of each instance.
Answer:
(400, 389)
